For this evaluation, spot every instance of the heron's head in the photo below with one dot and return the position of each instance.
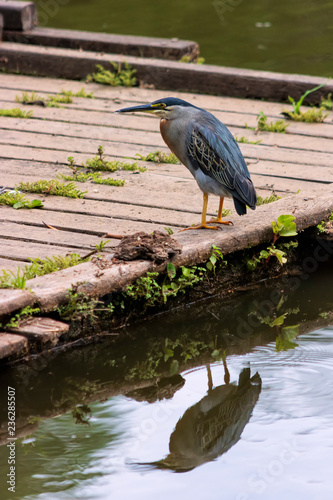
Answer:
(167, 108)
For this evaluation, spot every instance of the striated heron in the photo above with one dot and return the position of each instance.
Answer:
(207, 148)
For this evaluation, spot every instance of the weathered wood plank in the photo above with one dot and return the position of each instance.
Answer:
(19, 15)
(90, 146)
(176, 173)
(154, 139)
(104, 117)
(121, 96)
(138, 46)
(152, 191)
(12, 346)
(14, 249)
(41, 234)
(10, 265)
(70, 222)
(41, 332)
(11, 300)
(66, 63)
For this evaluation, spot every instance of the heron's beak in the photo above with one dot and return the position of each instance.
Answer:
(145, 108)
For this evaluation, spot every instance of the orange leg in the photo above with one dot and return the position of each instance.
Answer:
(203, 224)
(219, 215)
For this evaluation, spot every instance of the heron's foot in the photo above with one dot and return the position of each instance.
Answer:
(199, 226)
(220, 221)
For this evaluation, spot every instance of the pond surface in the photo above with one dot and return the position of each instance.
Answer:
(249, 416)
(288, 36)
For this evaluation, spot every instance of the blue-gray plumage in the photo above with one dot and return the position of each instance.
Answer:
(208, 149)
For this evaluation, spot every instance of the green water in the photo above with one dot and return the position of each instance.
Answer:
(288, 36)
(108, 420)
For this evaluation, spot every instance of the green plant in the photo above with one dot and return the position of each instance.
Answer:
(80, 93)
(11, 280)
(25, 98)
(214, 258)
(18, 200)
(23, 314)
(312, 115)
(284, 339)
(169, 230)
(297, 104)
(79, 307)
(119, 77)
(188, 59)
(100, 246)
(58, 98)
(284, 227)
(327, 103)
(279, 126)
(321, 227)
(268, 199)
(159, 157)
(38, 267)
(53, 187)
(95, 177)
(245, 140)
(145, 287)
(99, 163)
(323, 224)
(16, 113)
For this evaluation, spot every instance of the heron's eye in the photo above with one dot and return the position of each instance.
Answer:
(162, 105)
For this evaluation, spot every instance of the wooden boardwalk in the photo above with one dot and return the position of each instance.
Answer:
(163, 196)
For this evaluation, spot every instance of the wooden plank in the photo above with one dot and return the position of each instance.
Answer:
(90, 146)
(124, 96)
(70, 222)
(41, 234)
(18, 15)
(41, 332)
(12, 346)
(103, 116)
(11, 300)
(138, 46)
(154, 139)
(160, 190)
(15, 250)
(10, 265)
(56, 62)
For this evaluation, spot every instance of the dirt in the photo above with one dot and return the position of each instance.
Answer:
(158, 247)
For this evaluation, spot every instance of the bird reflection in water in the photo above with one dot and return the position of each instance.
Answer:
(214, 424)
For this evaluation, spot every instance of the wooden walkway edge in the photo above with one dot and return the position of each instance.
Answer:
(51, 290)
(66, 63)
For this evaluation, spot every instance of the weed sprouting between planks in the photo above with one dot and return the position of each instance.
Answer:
(16, 113)
(159, 157)
(53, 187)
(279, 126)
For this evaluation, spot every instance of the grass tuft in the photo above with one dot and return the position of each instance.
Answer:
(268, 199)
(279, 126)
(53, 187)
(120, 77)
(16, 113)
(159, 157)
(245, 140)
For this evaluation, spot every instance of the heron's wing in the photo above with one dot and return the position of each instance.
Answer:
(219, 157)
